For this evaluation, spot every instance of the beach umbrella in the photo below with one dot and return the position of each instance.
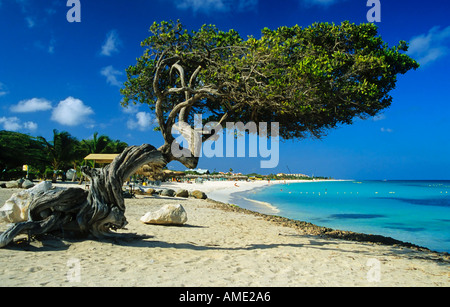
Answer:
(150, 171)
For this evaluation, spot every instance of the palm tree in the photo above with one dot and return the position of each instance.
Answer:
(62, 151)
(96, 144)
(116, 146)
(102, 144)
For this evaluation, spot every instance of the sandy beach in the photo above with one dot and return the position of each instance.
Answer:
(220, 245)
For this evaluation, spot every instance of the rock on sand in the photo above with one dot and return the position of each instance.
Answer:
(15, 209)
(167, 215)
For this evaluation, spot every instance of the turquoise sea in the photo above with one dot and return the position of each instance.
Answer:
(411, 211)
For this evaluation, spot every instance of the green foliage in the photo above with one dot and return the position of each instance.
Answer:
(44, 157)
(308, 79)
(62, 151)
(102, 144)
(18, 149)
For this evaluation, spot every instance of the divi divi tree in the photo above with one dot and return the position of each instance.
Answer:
(309, 80)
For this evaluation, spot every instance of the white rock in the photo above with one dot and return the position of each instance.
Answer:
(71, 173)
(15, 209)
(167, 215)
(27, 184)
(12, 184)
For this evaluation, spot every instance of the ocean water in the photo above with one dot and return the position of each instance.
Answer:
(411, 211)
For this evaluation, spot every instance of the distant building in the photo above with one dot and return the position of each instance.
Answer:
(291, 175)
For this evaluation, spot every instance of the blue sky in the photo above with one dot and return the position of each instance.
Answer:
(66, 76)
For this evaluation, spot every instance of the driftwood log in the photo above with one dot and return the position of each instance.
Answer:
(96, 211)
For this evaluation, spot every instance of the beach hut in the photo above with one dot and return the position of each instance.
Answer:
(151, 172)
(101, 158)
(172, 175)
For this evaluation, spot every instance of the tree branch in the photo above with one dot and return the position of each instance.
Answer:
(182, 77)
(194, 76)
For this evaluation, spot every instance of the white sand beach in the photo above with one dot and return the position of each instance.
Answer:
(220, 245)
(219, 190)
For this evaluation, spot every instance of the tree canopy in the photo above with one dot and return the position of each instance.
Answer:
(102, 144)
(308, 79)
(17, 149)
(64, 151)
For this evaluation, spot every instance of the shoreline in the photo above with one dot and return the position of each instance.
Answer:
(221, 245)
(234, 194)
(228, 195)
(244, 200)
(227, 192)
(312, 229)
(240, 199)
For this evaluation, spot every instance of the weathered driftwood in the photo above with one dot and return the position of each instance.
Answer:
(97, 211)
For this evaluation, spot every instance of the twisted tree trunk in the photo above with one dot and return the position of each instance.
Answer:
(97, 211)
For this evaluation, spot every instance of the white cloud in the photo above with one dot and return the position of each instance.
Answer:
(28, 11)
(111, 75)
(51, 46)
(207, 6)
(10, 123)
(30, 22)
(23, 5)
(50, 11)
(111, 44)
(46, 47)
(30, 126)
(200, 5)
(247, 5)
(142, 122)
(430, 47)
(379, 117)
(15, 124)
(130, 109)
(3, 90)
(388, 130)
(71, 112)
(31, 105)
